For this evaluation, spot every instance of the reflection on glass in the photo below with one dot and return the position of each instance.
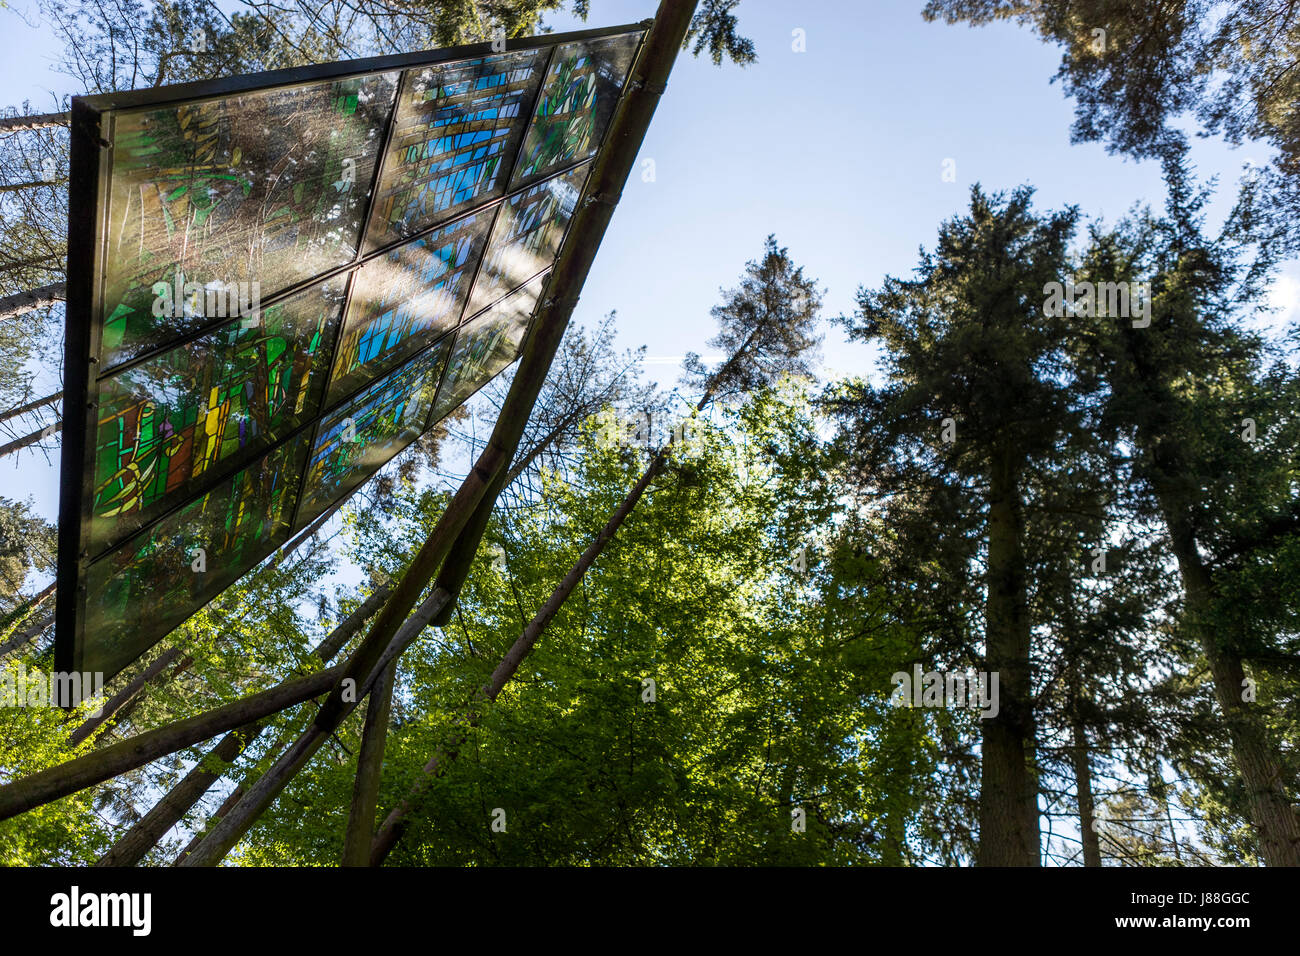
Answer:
(357, 438)
(404, 300)
(251, 194)
(486, 345)
(136, 594)
(225, 396)
(456, 129)
(578, 97)
(527, 235)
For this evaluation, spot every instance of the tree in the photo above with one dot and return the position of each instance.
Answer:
(1137, 66)
(1189, 394)
(694, 693)
(975, 402)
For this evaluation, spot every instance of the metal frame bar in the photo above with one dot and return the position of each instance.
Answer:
(339, 69)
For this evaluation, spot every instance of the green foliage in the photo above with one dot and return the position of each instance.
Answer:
(769, 694)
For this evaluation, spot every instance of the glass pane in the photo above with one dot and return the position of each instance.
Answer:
(582, 88)
(526, 238)
(226, 396)
(254, 193)
(457, 127)
(361, 435)
(404, 300)
(486, 345)
(135, 595)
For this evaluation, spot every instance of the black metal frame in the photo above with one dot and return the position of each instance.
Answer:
(90, 142)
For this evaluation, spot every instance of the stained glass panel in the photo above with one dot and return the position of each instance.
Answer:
(166, 423)
(267, 278)
(141, 591)
(486, 345)
(456, 129)
(357, 438)
(527, 235)
(578, 97)
(403, 300)
(217, 204)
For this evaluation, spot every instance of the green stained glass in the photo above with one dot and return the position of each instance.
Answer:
(141, 591)
(356, 439)
(456, 130)
(577, 101)
(486, 345)
(215, 205)
(404, 300)
(224, 397)
(527, 235)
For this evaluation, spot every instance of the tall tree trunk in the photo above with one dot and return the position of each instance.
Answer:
(1167, 464)
(1083, 792)
(1255, 754)
(1009, 834)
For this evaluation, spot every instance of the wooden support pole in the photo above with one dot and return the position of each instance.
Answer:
(235, 824)
(59, 781)
(124, 696)
(370, 761)
(167, 812)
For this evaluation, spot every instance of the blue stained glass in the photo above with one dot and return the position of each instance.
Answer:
(405, 299)
(454, 128)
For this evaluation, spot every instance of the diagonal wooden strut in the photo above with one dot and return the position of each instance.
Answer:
(460, 528)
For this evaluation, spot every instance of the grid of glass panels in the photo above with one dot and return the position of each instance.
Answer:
(354, 440)
(224, 396)
(526, 238)
(485, 345)
(294, 283)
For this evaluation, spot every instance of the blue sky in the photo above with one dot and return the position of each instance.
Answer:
(838, 151)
